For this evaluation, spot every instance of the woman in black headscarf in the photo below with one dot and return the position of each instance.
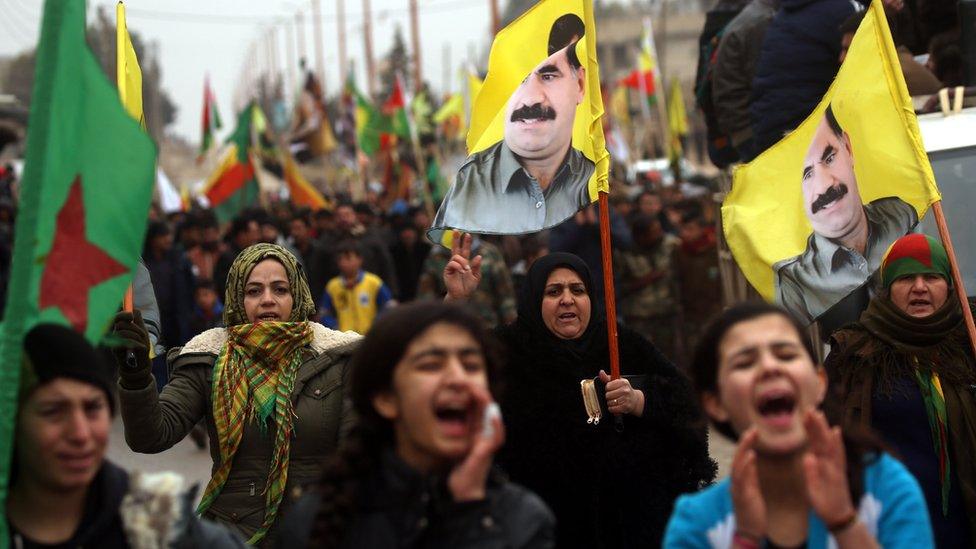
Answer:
(611, 483)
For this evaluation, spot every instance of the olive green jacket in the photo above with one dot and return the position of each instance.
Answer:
(154, 423)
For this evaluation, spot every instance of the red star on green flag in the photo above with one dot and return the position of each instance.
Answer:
(68, 289)
(87, 185)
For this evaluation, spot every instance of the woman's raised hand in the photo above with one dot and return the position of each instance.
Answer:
(467, 480)
(462, 274)
(747, 498)
(825, 469)
(622, 398)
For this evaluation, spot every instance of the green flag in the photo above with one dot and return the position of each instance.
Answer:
(84, 202)
(233, 186)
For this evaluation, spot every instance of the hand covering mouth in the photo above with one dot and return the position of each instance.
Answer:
(831, 195)
(533, 112)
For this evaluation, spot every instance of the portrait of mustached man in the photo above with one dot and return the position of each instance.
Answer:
(849, 238)
(534, 178)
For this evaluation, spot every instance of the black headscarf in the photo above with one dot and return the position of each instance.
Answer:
(530, 302)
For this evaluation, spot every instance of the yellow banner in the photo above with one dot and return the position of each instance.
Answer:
(809, 219)
(535, 139)
(128, 74)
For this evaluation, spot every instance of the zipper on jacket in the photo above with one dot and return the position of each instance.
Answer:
(252, 488)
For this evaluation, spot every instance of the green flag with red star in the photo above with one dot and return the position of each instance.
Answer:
(84, 201)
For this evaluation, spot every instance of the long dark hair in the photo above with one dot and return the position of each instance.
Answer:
(860, 445)
(372, 373)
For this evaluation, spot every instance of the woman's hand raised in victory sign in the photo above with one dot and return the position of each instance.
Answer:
(462, 274)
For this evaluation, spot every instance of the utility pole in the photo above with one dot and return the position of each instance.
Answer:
(663, 59)
(273, 55)
(446, 60)
(495, 19)
(368, 45)
(418, 79)
(317, 29)
(300, 28)
(293, 83)
(341, 22)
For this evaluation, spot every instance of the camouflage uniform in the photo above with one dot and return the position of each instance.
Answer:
(493, 301)
(651, 310)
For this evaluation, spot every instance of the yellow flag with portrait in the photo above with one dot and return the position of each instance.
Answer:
(809, 220)
(535, 140)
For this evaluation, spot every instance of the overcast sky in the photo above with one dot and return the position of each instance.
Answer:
(197, 37)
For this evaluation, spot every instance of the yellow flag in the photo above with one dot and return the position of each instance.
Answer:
(517, 51)
(537, 153)
(128, 74)
(453, 106)
(677, 118)
(620, 105)
(808, 221)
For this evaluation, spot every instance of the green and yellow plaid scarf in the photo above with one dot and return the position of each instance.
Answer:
(253, 380)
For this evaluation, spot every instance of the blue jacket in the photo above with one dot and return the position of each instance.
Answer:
(892, 508)
(799, 59)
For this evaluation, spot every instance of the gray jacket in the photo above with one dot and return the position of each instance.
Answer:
(155, 422)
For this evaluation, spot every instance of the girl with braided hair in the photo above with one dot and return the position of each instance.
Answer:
(416, 471)
(269, 385)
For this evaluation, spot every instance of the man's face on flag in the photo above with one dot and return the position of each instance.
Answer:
(539, 115)
(831, 199)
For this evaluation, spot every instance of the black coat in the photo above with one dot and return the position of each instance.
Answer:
(799, 59)
(400, 508)
(607, 488)
(101, 525)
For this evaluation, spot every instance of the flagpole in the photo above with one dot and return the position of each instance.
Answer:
(957, 280)
(609, 294)
(120, 84)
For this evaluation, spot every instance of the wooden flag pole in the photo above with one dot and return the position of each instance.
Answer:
(608, 289)
(967, 313)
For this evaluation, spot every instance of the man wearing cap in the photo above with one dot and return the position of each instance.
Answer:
(906, 370)
(63, 492)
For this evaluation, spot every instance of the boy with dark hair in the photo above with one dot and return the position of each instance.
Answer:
(353, 299)
(696, 260)
(207, 307)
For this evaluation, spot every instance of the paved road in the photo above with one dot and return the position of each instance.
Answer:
(184, 458)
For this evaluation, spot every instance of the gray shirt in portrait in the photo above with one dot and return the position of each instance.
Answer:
(826, 272)
(493, 194)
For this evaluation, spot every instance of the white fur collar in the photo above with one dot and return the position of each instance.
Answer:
(323, 339)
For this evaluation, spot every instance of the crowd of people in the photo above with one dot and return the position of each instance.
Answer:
(359, 385)
(435, 431)
(361, 261)
(768, 63)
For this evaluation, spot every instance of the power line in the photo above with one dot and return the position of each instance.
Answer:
(226, 19)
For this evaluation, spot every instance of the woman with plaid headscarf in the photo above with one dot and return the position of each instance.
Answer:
(270, 386)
